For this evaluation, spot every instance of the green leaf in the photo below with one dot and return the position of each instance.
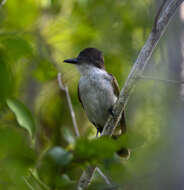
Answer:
(23, 115)
(16, 157)
(68, 136)
(53, 163)
(58, 156)
(17, 46)
(5, 80)
(95, 149)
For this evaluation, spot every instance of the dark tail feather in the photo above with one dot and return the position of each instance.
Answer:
(123, 123)
(123, 152)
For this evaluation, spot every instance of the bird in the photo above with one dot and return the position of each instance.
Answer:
(98, 90)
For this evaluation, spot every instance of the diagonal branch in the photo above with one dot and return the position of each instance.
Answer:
(159, 12)
(139, 65)
(103, 176)
(144, 56)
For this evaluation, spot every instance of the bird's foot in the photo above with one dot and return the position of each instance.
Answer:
(98, 131)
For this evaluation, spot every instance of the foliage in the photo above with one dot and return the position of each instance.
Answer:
(35, 38)
(24, 117)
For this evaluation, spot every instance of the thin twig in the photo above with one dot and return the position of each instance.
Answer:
(28, 184)
(136, 71)
(72, 113)
(103, 176)
(161, 80)
(64, 88)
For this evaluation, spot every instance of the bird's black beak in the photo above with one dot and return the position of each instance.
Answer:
(73, 61)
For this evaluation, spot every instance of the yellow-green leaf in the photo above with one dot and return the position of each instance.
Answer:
(23, 115)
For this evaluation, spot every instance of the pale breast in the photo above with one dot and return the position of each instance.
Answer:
(97, 96)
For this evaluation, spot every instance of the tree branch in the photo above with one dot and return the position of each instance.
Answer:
(158, 15)
(72, 113)
(86, 177)
(103, 176)
(139, 66)
(161, 80)
(161, 23)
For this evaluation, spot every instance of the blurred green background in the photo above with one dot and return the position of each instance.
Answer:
(38, 146)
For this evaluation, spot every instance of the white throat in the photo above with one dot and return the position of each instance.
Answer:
(86, 69)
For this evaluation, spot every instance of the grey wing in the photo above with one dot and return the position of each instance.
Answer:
(115, 85)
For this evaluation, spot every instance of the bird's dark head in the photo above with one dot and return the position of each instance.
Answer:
(91, 56)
